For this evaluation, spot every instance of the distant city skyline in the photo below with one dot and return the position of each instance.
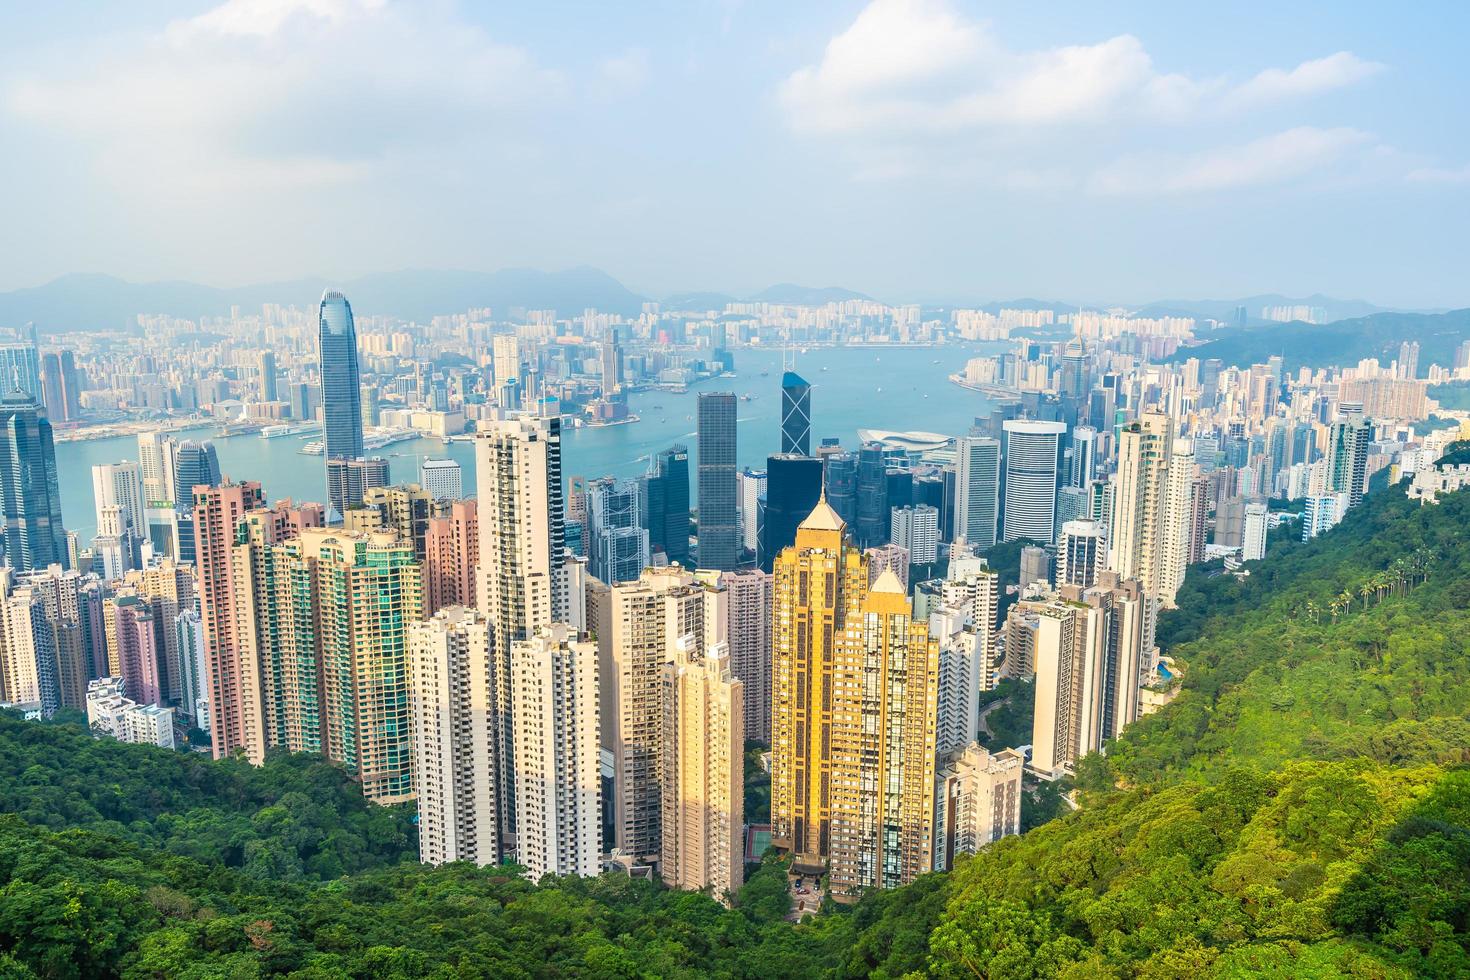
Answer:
(934, 150)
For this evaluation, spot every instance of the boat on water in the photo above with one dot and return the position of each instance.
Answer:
(604, 423)
(314, 448)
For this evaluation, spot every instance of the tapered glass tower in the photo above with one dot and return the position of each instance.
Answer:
(30, 494)
(341, 390)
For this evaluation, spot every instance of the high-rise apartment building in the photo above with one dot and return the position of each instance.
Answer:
(916, 530)
(752, 489)
(1148, 535)
(451, 555)
(450, 666)
(719, 513)
(121, 485)
(1081, 553)
(402, 510)
(522, 584)
(28, 656)
(156, 455)
(1256, 525)
(854, 716)
(703, 776)
(557, 773)
(1033, 469)
(977, 491)
(349, 480)
(30, 491)
(1347, 455)
(341, 393)
(977, 801)
(748, 602)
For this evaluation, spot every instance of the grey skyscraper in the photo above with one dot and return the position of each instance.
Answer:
(60, 386)
(839, 479)
(796, 415)
(30, 494)
(341, 390)
(1033, 463)
(195, 464)
(268, 375)
(667, 501)
(719, 505)
(977, 491)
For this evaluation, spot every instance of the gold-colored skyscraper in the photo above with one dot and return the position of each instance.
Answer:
(853, 718)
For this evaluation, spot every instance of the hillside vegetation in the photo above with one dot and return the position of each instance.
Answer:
(1301, 810)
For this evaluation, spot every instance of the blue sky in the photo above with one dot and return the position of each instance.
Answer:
(935, 150)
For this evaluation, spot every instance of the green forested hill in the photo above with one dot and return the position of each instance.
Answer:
(1301, 810)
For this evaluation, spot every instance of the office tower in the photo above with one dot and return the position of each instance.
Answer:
(61, 386)
(267, 386)
(574, 527)
(854, 705)
(719, 513)
(977, 491)
(402, 510)
(450, 666)
(522, 583)
(1072, 376)
(667, 501)
(341, 393)
(442, 478)
(665, 616)
(839, 484)
(1084, 455)
(899, 487)
(1347, 455)
(451, 554)
(348, 480)
(703, 843)
(1253, 547)
(1148, 532)
(28, 655)
(1073, 504)
(617, 543)
(233, 679)
(112, 713)
(30, 494)
(1090, 656)
(796, 415)
(1033, 460)
(1198, 514)
(977, 801)
(612, 368)
(748, 601)
(194, 696)
(195, 464)
(557, 762)
(916, 530)
(793, 485)
(20, 370)
(871, 528)
(752, 485)
(156, 458)
(1081, 553)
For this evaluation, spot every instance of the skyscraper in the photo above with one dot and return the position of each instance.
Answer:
(443, 478)
(839, 484)
(30, 493)
(796, 415)
(719, 509)
(268, 375)
(1256, 527)
(156, 457)
(61, 388)
(748, 632)
(557, 769)
(1347, 455)
(1033, 461)
(450, 671)
(522, 584)
(854, 716)
(1148, 534)
(871, 529)
(667, 500)
(793, 485)
(1084, 456)
(341, 391)
(20, 369)
(1081, 553)
(451, 555)
(617, 542)
(703, 776)
(977, 491)
(916, 530)
(195, 464)
(978, 801)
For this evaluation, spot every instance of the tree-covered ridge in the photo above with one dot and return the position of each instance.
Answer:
(295, 818)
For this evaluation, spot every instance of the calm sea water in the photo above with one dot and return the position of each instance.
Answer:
(901, 388)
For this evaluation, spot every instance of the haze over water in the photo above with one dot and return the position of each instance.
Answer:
(861, 388)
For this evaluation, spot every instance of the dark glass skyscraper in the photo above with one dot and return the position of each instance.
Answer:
(341, 390)
(60, 386)
(796, 416)
(30, 494)
(719, 506)
(793, 487)
(667, 499)
(195, 464)
(872, 496)
(839, 477)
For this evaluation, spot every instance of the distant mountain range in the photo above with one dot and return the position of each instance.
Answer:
(1343, 342)
(92, 302)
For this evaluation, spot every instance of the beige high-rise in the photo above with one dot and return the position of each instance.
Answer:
(977, 801)
(703, 776)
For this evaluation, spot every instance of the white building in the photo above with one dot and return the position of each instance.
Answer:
(1081, 553)
(110, 712)
(121, 485)
(1257, 523)
(977, 491)
(554, 723)
(752, 488)
(451, 684)
(443, 478)
(916, 529)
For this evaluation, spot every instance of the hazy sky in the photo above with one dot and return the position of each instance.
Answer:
(913, 149)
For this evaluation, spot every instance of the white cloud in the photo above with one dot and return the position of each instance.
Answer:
(916, 66)
(271, 93)
(1440, 175)
(622, 75)
(1280, 158)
